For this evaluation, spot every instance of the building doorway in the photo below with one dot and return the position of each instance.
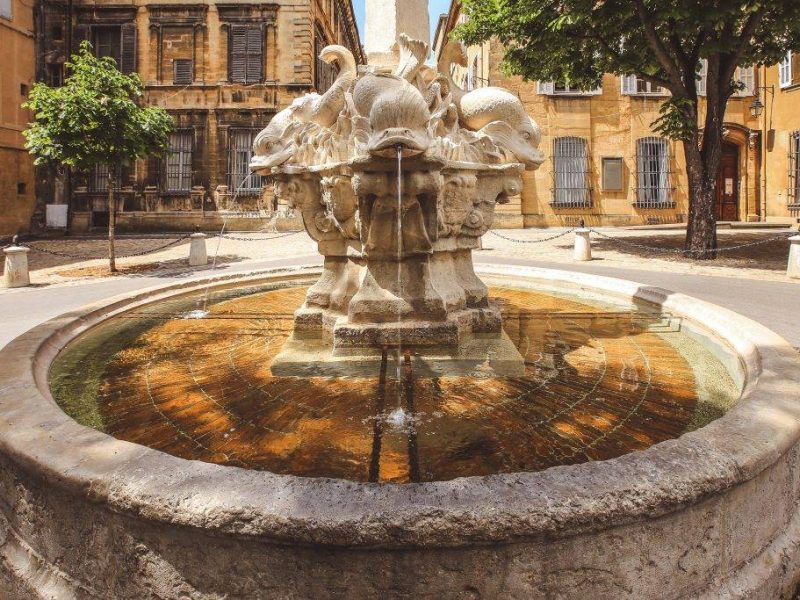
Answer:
(726, 207)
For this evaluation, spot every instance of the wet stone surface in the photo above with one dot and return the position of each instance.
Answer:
(191, 377)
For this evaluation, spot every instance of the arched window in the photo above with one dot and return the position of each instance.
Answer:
(571, 172)
(653, 174)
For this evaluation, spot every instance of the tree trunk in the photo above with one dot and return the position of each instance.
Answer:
(701, 229)
(112, 217)
(702, 165)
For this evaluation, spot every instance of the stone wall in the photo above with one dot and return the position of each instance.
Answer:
(17, 183)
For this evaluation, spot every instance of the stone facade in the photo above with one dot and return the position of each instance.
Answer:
(16, 78)
(222, 70)
(604, 139)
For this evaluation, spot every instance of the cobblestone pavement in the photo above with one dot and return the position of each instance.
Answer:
(766, 261)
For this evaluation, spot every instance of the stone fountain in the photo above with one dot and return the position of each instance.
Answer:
(397, 172)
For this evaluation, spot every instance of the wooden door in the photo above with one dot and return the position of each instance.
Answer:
(727, 203)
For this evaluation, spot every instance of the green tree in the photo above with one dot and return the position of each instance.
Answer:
(96, 117)
(660, 41)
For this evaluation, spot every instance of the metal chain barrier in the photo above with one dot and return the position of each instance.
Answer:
(537, 241)
(88, 257)
(622, 242)
(227, 236)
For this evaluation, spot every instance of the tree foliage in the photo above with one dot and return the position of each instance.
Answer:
(659, 41)
(95, 117)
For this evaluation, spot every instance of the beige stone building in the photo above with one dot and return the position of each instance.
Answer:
(16, 78)
(222, 70)
(606, 165)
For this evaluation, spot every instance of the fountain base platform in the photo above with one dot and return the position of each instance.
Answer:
(469, 343)
(484, 355)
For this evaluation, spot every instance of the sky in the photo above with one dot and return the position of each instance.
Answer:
(436, 8)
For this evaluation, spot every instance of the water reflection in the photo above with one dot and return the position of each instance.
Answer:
(600, 382)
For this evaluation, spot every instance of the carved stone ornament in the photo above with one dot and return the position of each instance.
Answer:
(397, 175)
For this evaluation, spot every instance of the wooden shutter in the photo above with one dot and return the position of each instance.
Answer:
(237, 47)
(702, 81)
(182, 71)
(629, 84)
(128, 48)
(795, 68)
(255, 54)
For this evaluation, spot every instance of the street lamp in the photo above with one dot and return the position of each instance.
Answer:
(757, 106)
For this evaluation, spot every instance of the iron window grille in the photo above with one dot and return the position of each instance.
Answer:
(98, 180)
(653, 173)
(178, 162)
(246, 54)
(240, 152)
(182, 71)
(794, 170)
(571, 173)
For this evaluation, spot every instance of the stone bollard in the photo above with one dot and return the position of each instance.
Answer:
(198, 256)
(793, 270)
(16, 272)
(583, 245)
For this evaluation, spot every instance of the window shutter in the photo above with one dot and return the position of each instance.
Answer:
(747, 77)
(238, 53)
(182, 71)
(128, 48)
(547, 88)
(628, 84)
(702, 81)
(255, 55)
(794, 68)
(785, 69)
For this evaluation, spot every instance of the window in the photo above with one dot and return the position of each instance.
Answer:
(746, 76)
(99, 178)
(178, 162)
(785, 70)
(550, 88)
(613, 174)
(246, 54)
(182, 71)
(652, 164)
(324, 74)
(240, 152)
(571, 172)
(107, 41)
(635, 86)
(115, 41)
(5, 9)
(794, 169)
(789, 70)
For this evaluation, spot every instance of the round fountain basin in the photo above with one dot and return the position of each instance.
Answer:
(621, 465)
(191, 377)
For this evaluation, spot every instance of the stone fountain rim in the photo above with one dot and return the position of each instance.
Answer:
(559, 502)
